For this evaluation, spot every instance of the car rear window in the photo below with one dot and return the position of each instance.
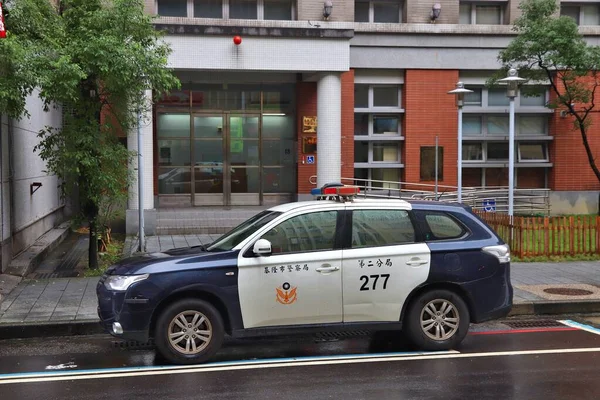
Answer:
(442, 226)
(372, 228)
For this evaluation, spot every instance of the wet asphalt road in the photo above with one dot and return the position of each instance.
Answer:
(496, 361)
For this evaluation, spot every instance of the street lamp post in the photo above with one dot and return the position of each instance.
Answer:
(460, 97)
(512, 81)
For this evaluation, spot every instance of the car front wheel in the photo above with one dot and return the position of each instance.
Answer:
(437, 320)
(189, 331)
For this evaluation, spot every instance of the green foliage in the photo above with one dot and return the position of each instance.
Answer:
(92, 58)
(550, 48)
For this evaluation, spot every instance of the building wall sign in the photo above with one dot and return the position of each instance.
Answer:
(309, 125)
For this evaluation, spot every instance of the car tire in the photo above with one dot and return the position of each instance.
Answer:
(431, 325)
(192, 342)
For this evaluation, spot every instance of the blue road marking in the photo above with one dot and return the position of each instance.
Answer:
(581, 326)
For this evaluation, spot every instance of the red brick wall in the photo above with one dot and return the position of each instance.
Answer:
(306, 100)
(348, 125)
(571, 169)
(430, 111)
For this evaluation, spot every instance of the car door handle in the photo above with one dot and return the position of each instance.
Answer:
(416, 262)
(327, 268)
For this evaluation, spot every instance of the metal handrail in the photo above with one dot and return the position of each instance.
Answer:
(526, 201)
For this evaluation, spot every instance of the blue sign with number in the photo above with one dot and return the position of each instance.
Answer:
(310, 159)
(489, 205)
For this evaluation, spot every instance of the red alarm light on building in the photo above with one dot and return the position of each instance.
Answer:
(237, 40)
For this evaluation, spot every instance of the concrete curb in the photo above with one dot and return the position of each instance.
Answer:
(90, 327)
(47, 329)
(556, 307)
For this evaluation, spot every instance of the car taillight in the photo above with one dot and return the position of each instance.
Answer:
(501, 252)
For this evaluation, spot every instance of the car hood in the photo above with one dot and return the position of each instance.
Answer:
(180, 259)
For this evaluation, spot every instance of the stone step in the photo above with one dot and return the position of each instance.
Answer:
(25, 262)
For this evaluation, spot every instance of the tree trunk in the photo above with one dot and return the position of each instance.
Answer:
(93, 249)
(588, 151)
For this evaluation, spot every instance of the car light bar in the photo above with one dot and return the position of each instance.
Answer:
(343, 190)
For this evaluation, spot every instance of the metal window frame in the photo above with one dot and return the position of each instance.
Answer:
(544, 149)
(260, 9)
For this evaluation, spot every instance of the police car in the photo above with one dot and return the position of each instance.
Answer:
(337, 263)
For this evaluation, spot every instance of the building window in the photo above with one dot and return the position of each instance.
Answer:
(208, 8)
(472, 152)
(380, 11)
(428, 163)
(378, 178)
(532, 125)
(481, 14)
(533, 152)
(475, 125)
(582, 14)
(233, 9)
(471, 125)
(530, 96)
(497, 151)
(473, 99)
(376, 152)
(497, 125)
(281, 10)
(172, 8)
(497, 97)
(243, 9)
(535, 97)
(386, 125)
(385, 96)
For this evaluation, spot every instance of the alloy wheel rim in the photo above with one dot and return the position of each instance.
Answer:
(190, 332)
(439, 319)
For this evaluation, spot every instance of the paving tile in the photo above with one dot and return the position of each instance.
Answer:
(11, 318)
(38, 316)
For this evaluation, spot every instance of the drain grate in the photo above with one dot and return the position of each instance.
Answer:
(568, 291)
(133, 345)
(539, 323)
(343, 334)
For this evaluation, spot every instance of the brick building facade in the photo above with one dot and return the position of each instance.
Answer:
(375, 75)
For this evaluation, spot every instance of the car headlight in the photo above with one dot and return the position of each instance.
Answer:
(120, 283)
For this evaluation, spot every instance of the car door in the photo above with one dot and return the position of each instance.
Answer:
(300, 282)
(383, 264)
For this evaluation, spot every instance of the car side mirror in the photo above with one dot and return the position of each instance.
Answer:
(262, 248)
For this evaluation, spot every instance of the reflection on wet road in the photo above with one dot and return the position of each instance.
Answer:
(550, 360)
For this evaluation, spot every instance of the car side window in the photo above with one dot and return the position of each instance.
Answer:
(372, 228)
(307, 232)
(443, 227)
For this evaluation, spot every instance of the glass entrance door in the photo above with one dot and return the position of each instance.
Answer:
(226, 159)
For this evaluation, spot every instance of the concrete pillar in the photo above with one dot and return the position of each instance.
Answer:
(148, 178)
(329, 129)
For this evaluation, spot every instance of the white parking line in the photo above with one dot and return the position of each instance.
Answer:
(154, 371)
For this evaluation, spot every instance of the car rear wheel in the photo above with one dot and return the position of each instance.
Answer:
(437, 320)
(189, 331)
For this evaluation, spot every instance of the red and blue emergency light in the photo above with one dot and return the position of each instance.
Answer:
(336, 190)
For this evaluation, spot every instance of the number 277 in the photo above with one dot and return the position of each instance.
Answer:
(365, 279)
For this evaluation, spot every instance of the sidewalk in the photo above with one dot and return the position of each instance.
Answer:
(69, 304)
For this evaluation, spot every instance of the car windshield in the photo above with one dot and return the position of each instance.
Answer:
(234, 237)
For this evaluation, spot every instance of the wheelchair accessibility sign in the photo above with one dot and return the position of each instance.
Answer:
(310, 159)
(489, 205)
